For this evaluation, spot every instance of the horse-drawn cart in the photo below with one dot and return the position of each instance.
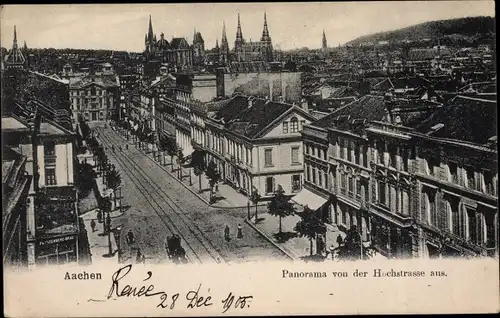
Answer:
(175, 251)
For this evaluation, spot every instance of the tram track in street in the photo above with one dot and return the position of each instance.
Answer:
(194, 239)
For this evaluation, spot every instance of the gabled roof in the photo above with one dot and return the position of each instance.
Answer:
(178, 43)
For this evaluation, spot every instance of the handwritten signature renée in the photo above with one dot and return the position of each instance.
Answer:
(193, 298)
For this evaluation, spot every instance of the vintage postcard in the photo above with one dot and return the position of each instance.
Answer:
(240, 159)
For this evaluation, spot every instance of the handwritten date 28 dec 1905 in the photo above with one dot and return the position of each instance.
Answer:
(193, 298)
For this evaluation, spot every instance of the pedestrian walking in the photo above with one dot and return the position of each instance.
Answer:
(139, 257)
(339, 240)
(92, 225)
(226, 233)
(240, 232)
(130, 237)
(108, 223)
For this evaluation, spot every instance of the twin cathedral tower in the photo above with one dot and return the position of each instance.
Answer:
(180, 53)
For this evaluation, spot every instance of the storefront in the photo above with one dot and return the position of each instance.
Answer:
(57, 250)
(391, 240)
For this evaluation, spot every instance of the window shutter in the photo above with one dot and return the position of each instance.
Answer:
(274, 184)
(291, 183)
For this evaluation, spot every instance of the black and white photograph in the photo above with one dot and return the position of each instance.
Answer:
(326, 134)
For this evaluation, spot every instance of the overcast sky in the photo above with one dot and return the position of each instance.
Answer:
(291, 25)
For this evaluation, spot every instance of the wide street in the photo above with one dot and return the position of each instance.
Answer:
(161, 206)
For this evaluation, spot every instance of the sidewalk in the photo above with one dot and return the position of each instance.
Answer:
(99, 245)
(295, 246)
(227, 197)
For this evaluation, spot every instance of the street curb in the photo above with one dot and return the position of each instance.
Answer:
(293, 258)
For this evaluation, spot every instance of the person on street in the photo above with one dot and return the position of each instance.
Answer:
(99, 216)
(240, 233)
(226, 233)
(108, 222)
(139, 257)
(92, 225)
(126, 146)
(339, 240)
(130, 237)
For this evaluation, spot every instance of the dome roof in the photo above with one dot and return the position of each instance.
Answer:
(162, 43)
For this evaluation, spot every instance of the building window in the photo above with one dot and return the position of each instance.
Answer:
(488, 182)
(294, 125)
(296, 184)
(380, 151)
(302, 124)
(295, 155)
(404, 159)
(269, 185)
(469, 172)
(356, 154)
(285, 128)
(393, 157)
(326, 180)
(365, 156)
(50, 176)
(350, 185)
(92, 91)
(308, 173)
(427, 208)
(320, 177)
(452, 172)
(349, 152)
(268, 157)
(49, 149)
(405, 202)
(471, 225)
(314, 175)
(343, 183)
(432, 164)
(381, 193)
(341, 149)
(358, 188)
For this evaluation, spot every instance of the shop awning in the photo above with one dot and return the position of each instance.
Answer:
(306, 197)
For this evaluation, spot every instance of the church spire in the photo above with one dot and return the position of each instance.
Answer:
(14, 43)
(239, 33)
(224, 36)
(265, 31)
(150, 30)
(324, 45)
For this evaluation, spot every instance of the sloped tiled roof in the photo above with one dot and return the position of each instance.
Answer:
(254, 119)
(249, 121)
(466, 119)
(368, 107)
(178, 43)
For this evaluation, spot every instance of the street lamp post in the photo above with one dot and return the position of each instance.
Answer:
(332, 248)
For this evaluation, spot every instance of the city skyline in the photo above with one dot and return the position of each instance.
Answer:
(124, 26)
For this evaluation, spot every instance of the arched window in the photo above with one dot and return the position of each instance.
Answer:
(294, 125)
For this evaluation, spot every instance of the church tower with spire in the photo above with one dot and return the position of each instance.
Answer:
(324, 45)
(15, 58)
(267, 45)
(239, 41)
(150, 38)
(224, 47)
